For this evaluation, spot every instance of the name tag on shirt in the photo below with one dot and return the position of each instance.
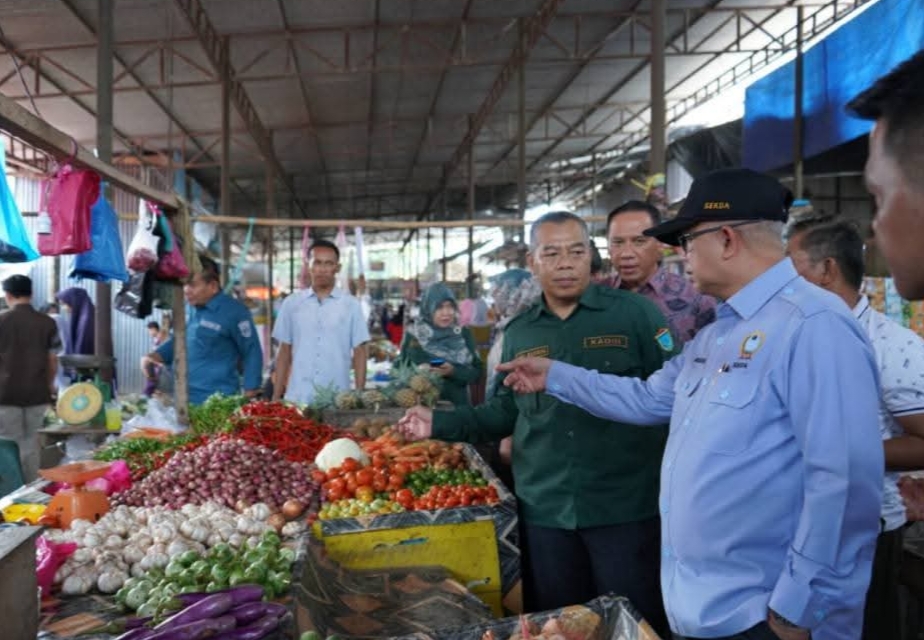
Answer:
(605, 342)
(208, 324)
(536, 352)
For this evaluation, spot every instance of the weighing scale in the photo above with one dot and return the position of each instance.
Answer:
(76, 502)
(84, 402)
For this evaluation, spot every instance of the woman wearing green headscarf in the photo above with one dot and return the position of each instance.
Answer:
(436, 336)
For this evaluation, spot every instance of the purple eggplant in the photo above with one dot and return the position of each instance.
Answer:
(138, 633)
(135, 622)
(256, 631)
(196, 630)
(253, 611)
(211, 607)
(239, 595)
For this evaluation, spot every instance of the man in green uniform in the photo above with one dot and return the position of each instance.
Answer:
(588, 493)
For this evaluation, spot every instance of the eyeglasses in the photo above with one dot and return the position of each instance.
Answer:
(687, 237)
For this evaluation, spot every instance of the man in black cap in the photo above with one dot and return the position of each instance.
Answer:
(29, 344)
(772, 477)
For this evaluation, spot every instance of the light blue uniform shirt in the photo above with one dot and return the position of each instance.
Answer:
(323, 335)
(221, 340)
(772, 477)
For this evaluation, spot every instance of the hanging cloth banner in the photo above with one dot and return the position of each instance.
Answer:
(360, 251)
(235, 276)
(343, 278)
(304, 276)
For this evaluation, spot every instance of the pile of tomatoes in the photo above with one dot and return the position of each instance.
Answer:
(384, 480)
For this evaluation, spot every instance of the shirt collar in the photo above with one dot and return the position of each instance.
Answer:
(336, 292)
(758, 291)
(590, 299)
(861, 308)
(214, 302)
(655, 282)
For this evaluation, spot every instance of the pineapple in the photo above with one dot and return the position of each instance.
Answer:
(430, 398)
(347, 400)
(406, 398)
(324, 398)
(374, 399)
(421, 383)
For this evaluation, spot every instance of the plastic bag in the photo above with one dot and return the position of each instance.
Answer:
(118, 478)
(49, 556)
(64, 222)
(171, 265)
(104, 261)
(15, 245)
(142, 252)
(137, 295)
(157, 416)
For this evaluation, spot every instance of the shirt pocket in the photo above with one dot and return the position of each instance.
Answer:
(727, 423)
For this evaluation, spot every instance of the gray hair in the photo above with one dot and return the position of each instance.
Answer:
(765, 233)
(836, 239)
(556, 217)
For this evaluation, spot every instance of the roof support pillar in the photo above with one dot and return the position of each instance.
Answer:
(521, 127)
(658, 161)
(225, 189)
(270, 250)
(104, 74)
(471, 209)
(797, 120)
(445, 243)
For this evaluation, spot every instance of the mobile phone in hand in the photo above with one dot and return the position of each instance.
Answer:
(437, 362)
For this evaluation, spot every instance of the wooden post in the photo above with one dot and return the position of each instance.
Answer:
(104, 106)
(183, 226)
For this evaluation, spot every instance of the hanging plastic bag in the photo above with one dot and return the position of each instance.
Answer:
(64, 222)
(170, 265)
(142, 252)
(15, 245)
(137, 295)
(49, 556)
(104, 261)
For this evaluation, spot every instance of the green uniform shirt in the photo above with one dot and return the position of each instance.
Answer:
(574, 470)
(455, 387)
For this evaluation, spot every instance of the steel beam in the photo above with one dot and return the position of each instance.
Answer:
(658, 157)
(534, 28)
(217, 53)
(104, 108)
(798, 122)
(521, 130)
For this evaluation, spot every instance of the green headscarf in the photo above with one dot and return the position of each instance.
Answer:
(448, 343)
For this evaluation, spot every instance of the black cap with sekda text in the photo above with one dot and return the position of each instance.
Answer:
(727, 194)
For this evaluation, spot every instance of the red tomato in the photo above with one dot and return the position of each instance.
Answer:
(334, 472)
(379, 461)
(350, 464)
(338, 484)
(404, 497)
(318, 476)
(396, 481)
(334, 494)
(379, 483)
(351, 487)
(364, 477)
(400, 468)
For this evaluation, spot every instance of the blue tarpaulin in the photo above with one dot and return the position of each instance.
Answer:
(835, 70)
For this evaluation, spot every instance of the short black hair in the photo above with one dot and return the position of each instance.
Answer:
(555, 217)
(897, 99)
(153, 325)
(324, 244)
(839, 240)
(635, 205)
(596, 260)
(18, 286)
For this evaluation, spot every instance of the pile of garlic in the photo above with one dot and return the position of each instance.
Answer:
(129, 541)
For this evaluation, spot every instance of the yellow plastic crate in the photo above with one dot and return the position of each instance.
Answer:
(468, 550)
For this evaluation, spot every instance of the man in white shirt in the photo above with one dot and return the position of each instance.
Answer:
(321, 333)
(829, 253)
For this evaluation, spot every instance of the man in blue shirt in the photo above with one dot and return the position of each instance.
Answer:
(772, 478)
(221, 341)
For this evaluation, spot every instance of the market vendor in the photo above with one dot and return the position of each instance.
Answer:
(437, 341)
(587, 488)
(221, 341)
(772, 478)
